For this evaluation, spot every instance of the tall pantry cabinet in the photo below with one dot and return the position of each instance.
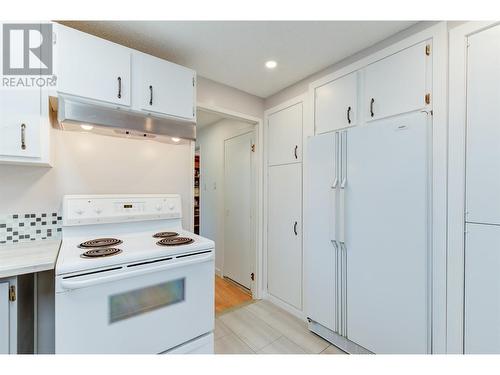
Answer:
(482, 198)
(284, 204)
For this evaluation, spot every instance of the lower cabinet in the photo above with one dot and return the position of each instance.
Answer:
(284, 236)
(8, 316)
(482, 289)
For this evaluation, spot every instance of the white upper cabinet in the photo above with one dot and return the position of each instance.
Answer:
(285, 135)
(92, 67)
(336, 103)
(396, 84)
(162, 87)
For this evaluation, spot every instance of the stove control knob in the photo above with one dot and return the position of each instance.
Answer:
(79, 211)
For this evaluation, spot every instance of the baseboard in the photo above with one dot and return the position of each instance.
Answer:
(218, 272)
(285, 306)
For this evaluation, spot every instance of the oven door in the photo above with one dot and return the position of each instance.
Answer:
(147, 307)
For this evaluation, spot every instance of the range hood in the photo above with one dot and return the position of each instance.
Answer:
(71, 111)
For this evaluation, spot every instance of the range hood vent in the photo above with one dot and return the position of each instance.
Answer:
(68, 110)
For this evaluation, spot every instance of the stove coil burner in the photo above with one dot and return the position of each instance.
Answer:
(165, 234)
(100, 242)
(100, 253)
(175, 241)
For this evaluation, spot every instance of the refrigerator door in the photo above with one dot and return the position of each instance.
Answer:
(387, 241)
(482, 289)
(320, 251)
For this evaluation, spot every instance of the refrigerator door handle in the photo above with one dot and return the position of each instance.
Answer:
(336, 288)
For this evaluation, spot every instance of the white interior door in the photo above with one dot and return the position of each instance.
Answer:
(386, 235)
(336, 103)
(320, 254)
(285, 136)
(284, 233)
(482, 289)
(4, 318)
(238, 239)
(483, 128)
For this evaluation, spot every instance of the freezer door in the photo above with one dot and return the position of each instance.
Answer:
(320, 251)
(482, 289)
(387, 219)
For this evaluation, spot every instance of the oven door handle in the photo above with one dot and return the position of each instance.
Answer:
(124, 273)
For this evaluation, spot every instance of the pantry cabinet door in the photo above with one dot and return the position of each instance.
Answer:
(163, 87)
(20, 124)
(483, 128)
(335, 104)
(92, 67)
(396, 84)
(285, 135)
(284, 241)
(4, 318)
(482, 289)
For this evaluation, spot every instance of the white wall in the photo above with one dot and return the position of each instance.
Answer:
(223, 96)
(86, 163)
(211, 143)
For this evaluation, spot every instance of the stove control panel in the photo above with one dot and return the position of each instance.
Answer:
(96, 209)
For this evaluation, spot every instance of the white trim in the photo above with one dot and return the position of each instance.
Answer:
(288, 103)
(456, 180)
(257, 287)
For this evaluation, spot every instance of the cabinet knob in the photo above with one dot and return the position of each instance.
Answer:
(23, 136)
(295, 151)
(371, 107)
(349, 115)
(150, 95)
(119, 87)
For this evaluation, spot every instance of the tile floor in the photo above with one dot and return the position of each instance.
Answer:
(264, 328)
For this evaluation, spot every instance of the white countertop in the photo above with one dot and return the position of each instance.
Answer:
(28, 257)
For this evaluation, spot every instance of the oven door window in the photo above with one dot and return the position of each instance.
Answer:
(136, 302)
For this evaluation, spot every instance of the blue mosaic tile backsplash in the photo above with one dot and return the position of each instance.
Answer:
(17, 228)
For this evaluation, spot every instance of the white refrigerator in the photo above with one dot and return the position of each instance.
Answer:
(367, 235)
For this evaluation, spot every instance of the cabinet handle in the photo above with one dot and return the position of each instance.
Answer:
(23, 136)
(295, 228)
(150, 95)
(119, 87)
(371, 107)
(295, 151)
(349, 115)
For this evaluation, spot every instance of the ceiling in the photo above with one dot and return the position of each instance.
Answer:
(234, 52)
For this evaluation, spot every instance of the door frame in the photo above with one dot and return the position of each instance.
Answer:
(456, 180)
(257, 285)
(306, 131)
(253, 197)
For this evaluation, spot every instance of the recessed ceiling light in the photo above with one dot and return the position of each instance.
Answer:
(86, 127)
(271, 64)
(175, 139)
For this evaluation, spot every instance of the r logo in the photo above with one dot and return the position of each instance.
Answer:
(27, 49)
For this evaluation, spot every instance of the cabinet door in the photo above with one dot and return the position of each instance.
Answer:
(284, 241)
(482, 289)
(335, 104)
(320, 254)
(4, 318)
(163, 87)
(91, 67)
(285, 135)
(20, 123)
(483, 128)
(396, 84)
(386, 235)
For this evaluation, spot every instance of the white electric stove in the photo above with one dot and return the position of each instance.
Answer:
(129, 279)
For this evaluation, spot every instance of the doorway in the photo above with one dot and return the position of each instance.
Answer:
(228, 206)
